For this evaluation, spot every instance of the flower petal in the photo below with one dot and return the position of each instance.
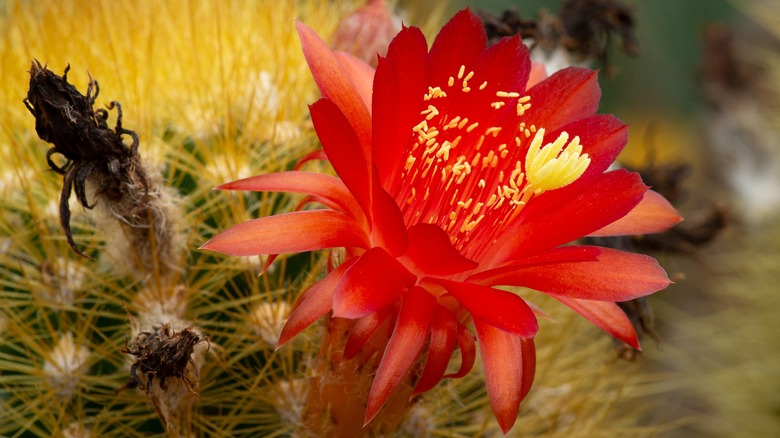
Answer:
(565, 254)
(376, 280)
(399, 85)
(606, 316)
(616, 276)
(320, 185)
(464, 32)
(431, 253)
(409, 336)
(364, 329)
(314, 303)
(289, 232)
(336, 84)
(509, 362)
(361, 74)
(568, 95)
(443, 333)
(606, 200)
(653, 214)
(468, 352)
(499, 308)
(389, 230)
(343, 150)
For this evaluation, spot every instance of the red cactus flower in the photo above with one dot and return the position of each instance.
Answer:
(456, 176)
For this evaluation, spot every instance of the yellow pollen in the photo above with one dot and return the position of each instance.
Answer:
(482, 87)
(527, 133)
(497, 105)
(451, 81)
(472, 127)
(522, 108)
(410, 162)
(431, 112)
(466, 89)
(434, 92)
(453, 123)
(507, 94)
(491, 201)
(469, 76)
(555, 165)
(476, 158)
(481, 184)
(524, 99)
(465, 204)
(463, 123)
(493, 130)
(411, 197)
(461, 71)
(533, 128)
(479, 142)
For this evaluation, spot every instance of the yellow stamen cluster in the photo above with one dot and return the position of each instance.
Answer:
(473, 179)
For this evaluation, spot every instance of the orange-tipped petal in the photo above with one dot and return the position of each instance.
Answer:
(616, 276)
(605, 315)
(314, 303)
(443, 334)
(409, 336)
(322, 186)
(361, 74)
(430, 251)
(343, 149)
(499, 308)
(375, 281)
(289, 232)
(335, 83)
(653, 214)
(509, 362)
(468, 352)
(538, 74)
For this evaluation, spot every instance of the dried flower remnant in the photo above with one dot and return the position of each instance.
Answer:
(97, 158)
(581, 32)
(460, 178)
(164, 353)
(164, 369)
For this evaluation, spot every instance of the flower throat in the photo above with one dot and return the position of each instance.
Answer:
(472, 164)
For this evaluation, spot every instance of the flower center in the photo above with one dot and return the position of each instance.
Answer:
(472, 164)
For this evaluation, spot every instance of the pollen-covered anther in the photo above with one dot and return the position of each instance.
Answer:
(555, 165)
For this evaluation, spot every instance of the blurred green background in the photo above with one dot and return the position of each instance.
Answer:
(663, 78)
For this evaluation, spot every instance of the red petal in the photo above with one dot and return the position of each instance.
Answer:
(389, 230)
(499, 308)
(314, 303)
(409, 336)
(509, 363)
(364, 328)
(430, 253)
(397, 108)
(468, 352)
(289, 232)
(376, 280)
(323, 186)
(319, 154)
(336, 84)
(654, 214)
(568, 95)
(606, 316)
(616, 276)
(458, 43)
(361, 74)
(606, 200)
(443, 332)
(565, 254)
(343, 149)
